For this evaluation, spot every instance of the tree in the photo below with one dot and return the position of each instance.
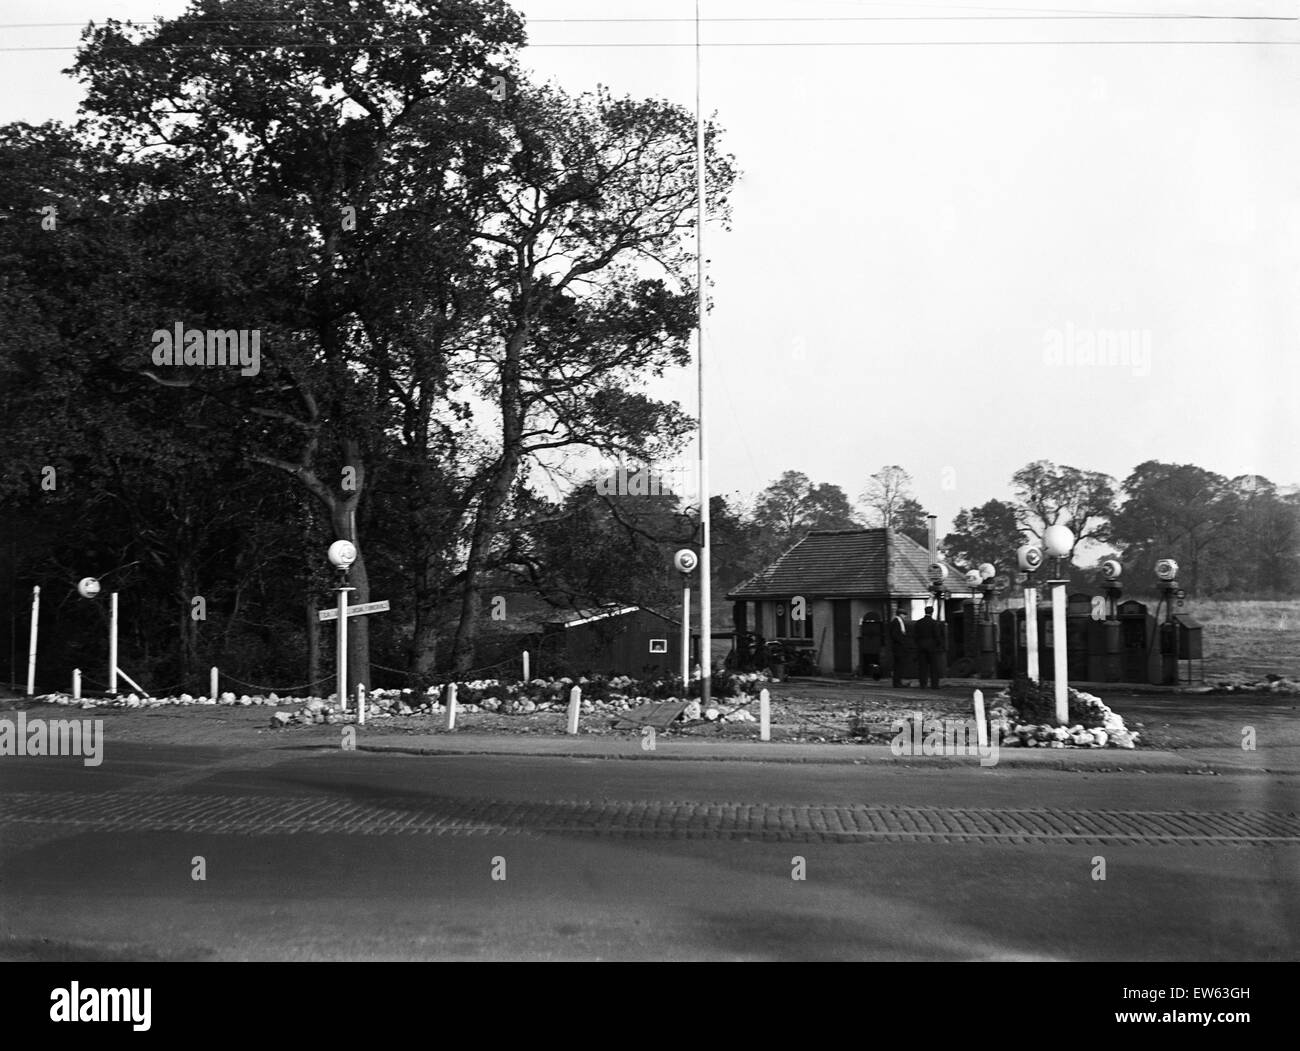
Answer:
(1046, 495)
(1261, 544)
(792, 506)
(912, 520)
(1175, 511)
(988, 533)
(415, 248)
(260, 162)
(886, 492)
(738, 544)
(585, 199)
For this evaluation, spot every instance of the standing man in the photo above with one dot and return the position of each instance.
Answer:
(926, 634)
(897, 641)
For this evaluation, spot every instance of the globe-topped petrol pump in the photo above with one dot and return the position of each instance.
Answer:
(1179, 635)
(1111, 571)
(986, 629)
(1030, 559)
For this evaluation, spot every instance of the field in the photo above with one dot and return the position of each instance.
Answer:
(1249, 639)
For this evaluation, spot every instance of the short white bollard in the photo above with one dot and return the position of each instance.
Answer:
(361, 704)
(76, 684)
(526, 678)
(764, 716)
(31, 651)
(575, 706)
(213, 696)
(981, 728)
(451, 706)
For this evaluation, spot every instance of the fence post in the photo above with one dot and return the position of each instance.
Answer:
(575, 705)
(981, 729)
(31, 649)
(361, 704)
(451, 706)
(764, 716)
(212, 685)
(112, 643)
(76, 684)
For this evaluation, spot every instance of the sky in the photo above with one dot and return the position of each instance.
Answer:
(963, 238)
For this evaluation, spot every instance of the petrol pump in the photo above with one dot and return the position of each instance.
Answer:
(1179, 635)
(939, 593)
(987, 631)
(1105, 646)
(1030, 559)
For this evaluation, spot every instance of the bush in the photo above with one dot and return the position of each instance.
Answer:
(1035, 702)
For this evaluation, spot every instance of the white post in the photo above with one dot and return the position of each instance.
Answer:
(526, 676)
(686, 640)
(361, 704)
(76, 684)
(981, 727)
(451, 706)
(31, 649)
(764, 716)
(212, 685)
(1031, 633)
(701, 306)
(575, 704)
(1059, 651)
(112, 644)
(134, 685)
(342, 662)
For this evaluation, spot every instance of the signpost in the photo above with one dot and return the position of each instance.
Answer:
(342, 554)
(354, 611)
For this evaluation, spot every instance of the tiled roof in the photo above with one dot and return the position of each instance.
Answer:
(845, 562)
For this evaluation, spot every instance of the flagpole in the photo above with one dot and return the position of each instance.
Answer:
(706, 595)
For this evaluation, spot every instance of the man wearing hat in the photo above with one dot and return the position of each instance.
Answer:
(898, 639)
(926, 636)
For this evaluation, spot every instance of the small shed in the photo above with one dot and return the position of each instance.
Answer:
(618, 640)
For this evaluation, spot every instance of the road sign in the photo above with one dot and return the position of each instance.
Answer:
(364, 607)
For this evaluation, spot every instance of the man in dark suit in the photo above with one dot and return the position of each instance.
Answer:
(898, 639)
(927, 638)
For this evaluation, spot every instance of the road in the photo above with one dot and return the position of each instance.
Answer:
(315, 853)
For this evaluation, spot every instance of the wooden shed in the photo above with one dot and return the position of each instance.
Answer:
(618, 640)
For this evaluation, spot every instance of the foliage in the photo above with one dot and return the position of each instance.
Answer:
(1049, 495)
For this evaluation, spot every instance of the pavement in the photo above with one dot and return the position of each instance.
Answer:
(1220, 761)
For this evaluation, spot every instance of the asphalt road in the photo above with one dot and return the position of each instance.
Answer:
(316, 854)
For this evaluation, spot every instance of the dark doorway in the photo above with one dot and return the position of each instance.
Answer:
(842, 630)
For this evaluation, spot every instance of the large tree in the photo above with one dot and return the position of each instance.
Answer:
(1178, 511)
(452, 282)
(886, 493)
(1260, 548)
(792, 506)
(1047, 495)
(988, 533)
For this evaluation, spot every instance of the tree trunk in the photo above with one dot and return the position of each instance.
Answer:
(494, 498)
(313, 645)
